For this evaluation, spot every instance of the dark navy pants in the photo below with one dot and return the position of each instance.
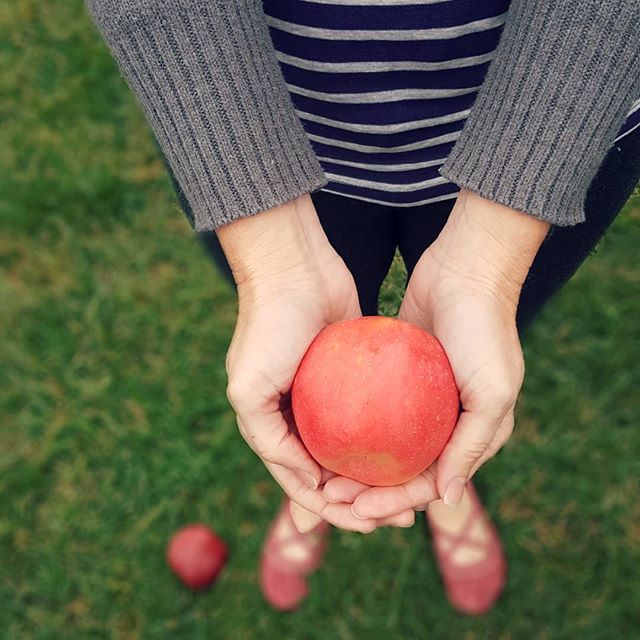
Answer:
(367, 235)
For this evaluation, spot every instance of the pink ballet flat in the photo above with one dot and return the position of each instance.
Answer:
(283, 578)
(471, 589)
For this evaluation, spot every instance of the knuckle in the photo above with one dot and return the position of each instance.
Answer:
(503, 438)
(504, 393)
(500, 396)
(474, 451)
(496, 445)
(264, 450)
(492, 451)
(268, 449)
(503, 434)
(235, 391)
(239, 390)
(300, 493)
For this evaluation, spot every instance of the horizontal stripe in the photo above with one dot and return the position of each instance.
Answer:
(368, 3)
(386, 186)
(406, 166)
(419, 203)
(375, 97)
(379, 113)
(374, 141)
(387, 129)
(353, 83)
(401, 157)
(392, 177)
(383, 67)
(375, 16)
(473, 44)
(437, 33)
(367, 148)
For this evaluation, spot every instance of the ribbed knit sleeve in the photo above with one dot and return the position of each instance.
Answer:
(565, 74)
(206, 75)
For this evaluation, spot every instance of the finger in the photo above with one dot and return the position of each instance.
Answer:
(341, 489)
(405, 519)
(268, 435)
(306, 521)
(470, 440)
(499, 440)
(338, 515)
(303, 519)
(384, 502)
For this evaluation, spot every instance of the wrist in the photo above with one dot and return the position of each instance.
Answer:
(276, 244)
(490, 244)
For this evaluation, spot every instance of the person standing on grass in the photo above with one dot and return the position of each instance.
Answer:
(492, 143)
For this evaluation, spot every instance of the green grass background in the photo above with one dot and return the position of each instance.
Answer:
(115, 428)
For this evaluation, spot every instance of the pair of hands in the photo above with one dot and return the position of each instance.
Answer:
(464, 290)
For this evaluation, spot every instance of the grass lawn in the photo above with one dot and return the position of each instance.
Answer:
(116, 431)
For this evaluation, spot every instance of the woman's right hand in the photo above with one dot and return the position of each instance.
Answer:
(291, 284)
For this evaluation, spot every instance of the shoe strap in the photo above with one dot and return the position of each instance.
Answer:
(313, 542)
(462, 537)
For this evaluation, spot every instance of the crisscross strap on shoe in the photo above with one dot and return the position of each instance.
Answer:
(462, 537)
(284, 533)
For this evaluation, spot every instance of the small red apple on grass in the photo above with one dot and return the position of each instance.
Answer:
(196, 555)
(375, 400)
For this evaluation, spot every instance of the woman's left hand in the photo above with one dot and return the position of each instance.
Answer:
(465, 290)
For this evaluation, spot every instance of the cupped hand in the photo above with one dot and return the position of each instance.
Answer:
(465, 290)
(291, 284)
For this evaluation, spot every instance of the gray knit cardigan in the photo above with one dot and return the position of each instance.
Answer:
(205, 72)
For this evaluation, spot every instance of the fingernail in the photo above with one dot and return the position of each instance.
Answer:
(304, 520)
(308, 479)
(355, 515)
(420, 507)
(453, 494)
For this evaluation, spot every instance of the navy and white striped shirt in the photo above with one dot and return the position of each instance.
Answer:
(383, 87)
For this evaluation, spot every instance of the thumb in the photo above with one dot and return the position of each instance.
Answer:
(303, 519)
(411, 311)
(469, 442)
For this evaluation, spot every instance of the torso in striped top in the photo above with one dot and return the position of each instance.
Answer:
(383, 87)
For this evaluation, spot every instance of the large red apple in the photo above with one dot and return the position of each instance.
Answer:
(374, 399)
(196, 555)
